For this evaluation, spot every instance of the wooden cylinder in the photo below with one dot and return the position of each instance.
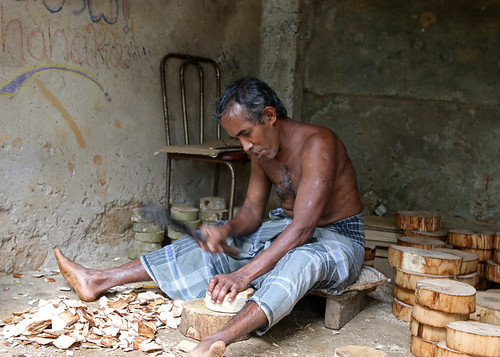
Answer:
(441, 350)
(471, 279)
(473, 239)
(408, 280)
(496, 241)
(198, 322)
(424, 260)
(470, 261)
(483, 254)
(496, 256)
(417, 221)
(441, 235)
(426, 332)
(421, 348)
(435, 318)
(475, 338)
(401, 310)
(487, 307)
(402, 294)
(446, 295)
(493, 271)
(420, 242)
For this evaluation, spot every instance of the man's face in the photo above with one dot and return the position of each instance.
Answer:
(260, 139)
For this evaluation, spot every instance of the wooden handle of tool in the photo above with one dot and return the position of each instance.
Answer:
(231, 250)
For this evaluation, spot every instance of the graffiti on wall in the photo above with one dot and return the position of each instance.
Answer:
(93, 46)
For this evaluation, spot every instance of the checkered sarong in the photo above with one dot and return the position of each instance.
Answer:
(331, 259)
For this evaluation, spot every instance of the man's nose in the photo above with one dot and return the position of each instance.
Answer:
(247, 145)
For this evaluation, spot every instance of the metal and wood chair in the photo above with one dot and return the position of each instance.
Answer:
(219, 151)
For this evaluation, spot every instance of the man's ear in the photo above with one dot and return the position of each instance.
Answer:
(269, 115)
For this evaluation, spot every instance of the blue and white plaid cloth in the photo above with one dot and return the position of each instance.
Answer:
(331, 259)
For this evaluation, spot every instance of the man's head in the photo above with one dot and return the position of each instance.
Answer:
(249, 111)
(253, 96)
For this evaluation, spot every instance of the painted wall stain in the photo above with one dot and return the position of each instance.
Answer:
(67, 117)
(17, 143)
(101, 169)
(5, 137)
(118, 124)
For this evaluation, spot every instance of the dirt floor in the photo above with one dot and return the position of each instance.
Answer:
(302, 333)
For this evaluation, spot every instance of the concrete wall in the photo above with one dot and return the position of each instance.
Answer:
(413, 88)
(81, 115)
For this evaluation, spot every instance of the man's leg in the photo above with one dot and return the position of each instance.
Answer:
(89, 283)
(249, 319)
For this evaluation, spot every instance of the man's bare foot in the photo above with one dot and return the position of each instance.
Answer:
(79, 277)
(208, 349)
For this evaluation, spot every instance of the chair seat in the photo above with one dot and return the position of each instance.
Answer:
(217, 149)
(235, 156)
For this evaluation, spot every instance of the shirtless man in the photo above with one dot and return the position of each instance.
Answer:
(315, 240)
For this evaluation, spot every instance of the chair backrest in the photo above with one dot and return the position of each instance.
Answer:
(201, 64)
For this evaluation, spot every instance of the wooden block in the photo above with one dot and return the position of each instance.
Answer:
(340, 309)
(470, 261)
(487, 307)
(424, 260)
(475, 338)
(198, 322)
(418, 221)
(473, 239)
(446, 295)
(420, 242)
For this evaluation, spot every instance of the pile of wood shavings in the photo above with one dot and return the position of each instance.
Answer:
(129, 322)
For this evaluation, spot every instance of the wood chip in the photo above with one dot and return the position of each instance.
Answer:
(49, 280)
(64, 342)
(17, 275)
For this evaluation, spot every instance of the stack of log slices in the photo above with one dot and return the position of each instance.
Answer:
(437, 303)
(414, 264)
(483, 244)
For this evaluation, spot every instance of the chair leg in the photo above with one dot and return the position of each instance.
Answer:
(167, 189)
(233, 190)
(216, 179)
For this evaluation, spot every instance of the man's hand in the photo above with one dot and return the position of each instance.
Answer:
(216, 238)
(226, 284)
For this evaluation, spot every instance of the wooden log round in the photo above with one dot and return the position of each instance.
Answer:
(424, 221)
(481, 269)
(424, 260)
(471, 279)
(496, 256)
(408, 280)
(473, 337)
(483, 254)
(470, 261)
(401, 310)
(473, 239)
(402, 294)
(198, 322)
(426, 332)
(435, 318)
(441, 350)
(421, 348)
(441, 235)
(496, 241)
(493, 271)
(446, 295)
(487, 307)
(420, 242)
